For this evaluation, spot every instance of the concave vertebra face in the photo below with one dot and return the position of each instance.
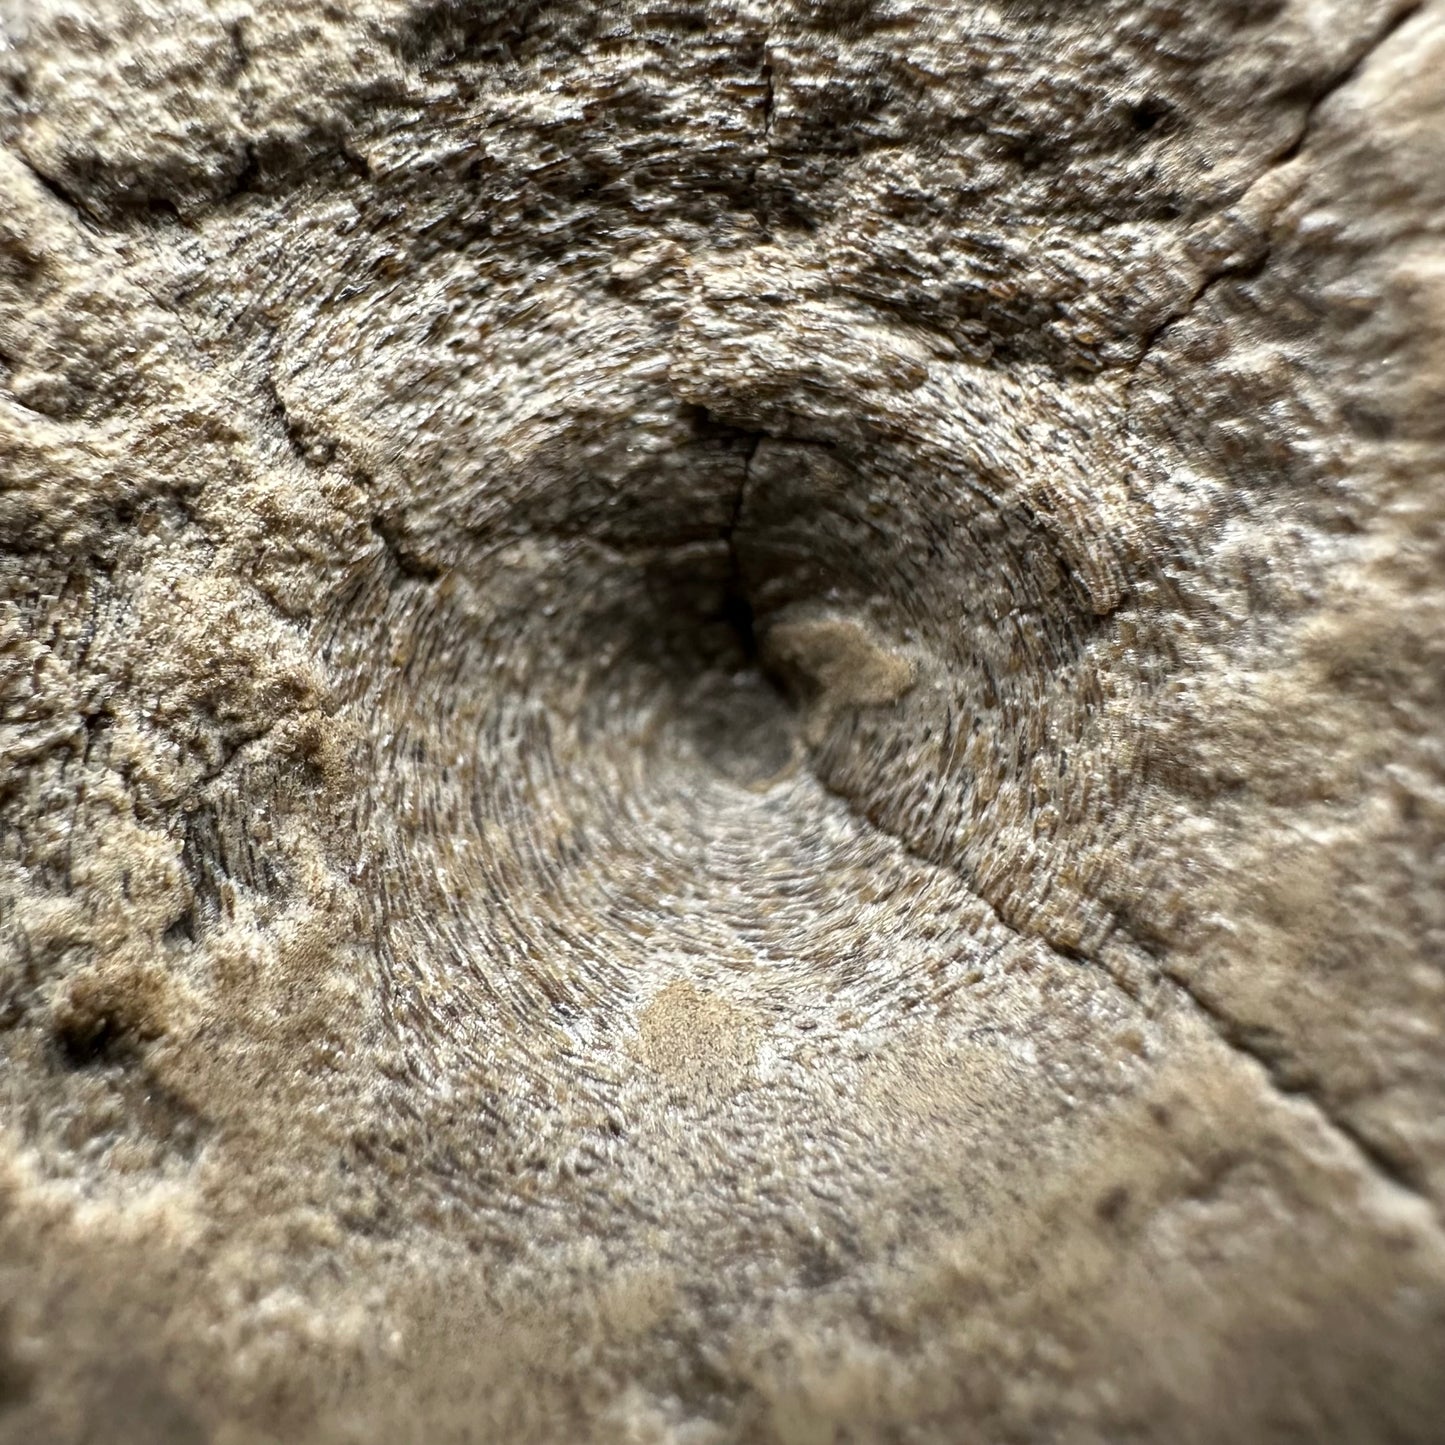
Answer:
(723, 720)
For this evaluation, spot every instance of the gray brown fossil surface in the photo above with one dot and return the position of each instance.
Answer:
(722, 720)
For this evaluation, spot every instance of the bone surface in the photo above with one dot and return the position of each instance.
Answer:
(722, 720)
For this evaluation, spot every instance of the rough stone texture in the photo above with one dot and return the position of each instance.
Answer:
(722, 721)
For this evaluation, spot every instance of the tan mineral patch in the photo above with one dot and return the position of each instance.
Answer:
(692, 1039)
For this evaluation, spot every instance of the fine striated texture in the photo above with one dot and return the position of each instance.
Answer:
(723, 720)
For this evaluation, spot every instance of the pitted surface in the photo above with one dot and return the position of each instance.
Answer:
(721, 721)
